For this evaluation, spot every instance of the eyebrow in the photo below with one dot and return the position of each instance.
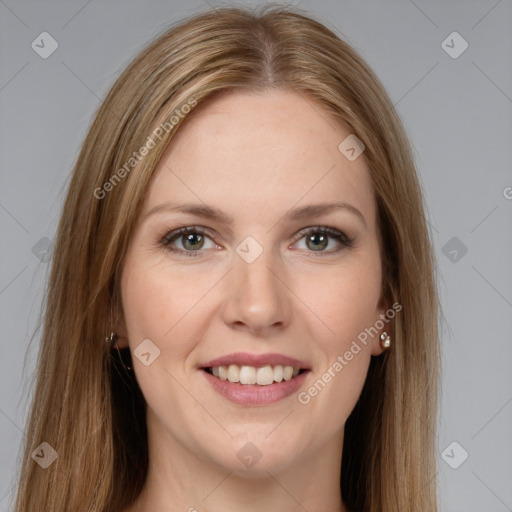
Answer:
(210, 212)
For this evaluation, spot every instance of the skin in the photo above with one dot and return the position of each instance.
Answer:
(255, 156)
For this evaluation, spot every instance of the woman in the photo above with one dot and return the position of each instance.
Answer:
(245, 228)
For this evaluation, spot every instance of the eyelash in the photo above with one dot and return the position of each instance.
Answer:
(339, 236)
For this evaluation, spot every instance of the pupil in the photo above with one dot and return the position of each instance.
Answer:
(323, 241)
(190, 239)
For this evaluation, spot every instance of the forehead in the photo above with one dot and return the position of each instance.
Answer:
(261, 153)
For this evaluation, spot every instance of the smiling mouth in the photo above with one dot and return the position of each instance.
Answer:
(262, 375)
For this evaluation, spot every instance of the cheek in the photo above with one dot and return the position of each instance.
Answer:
(150, 306)
(163, 303)
(159, 304)
(345, 305)
(344, 302)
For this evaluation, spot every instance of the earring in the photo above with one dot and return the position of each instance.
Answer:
(385, 340)
(112, 339)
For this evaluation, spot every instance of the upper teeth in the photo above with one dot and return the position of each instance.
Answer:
(263, 375)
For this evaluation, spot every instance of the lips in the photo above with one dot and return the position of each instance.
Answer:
(256, 360)
(251, 379)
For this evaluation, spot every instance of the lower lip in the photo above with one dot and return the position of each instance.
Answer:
(253, 394)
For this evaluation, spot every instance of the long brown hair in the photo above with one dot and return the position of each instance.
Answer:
(85, 406)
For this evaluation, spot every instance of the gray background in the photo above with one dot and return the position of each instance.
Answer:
(457, 111)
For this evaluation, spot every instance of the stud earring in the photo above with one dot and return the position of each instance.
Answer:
(385, 340)
(112, 340)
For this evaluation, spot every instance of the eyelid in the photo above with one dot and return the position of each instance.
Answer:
(175, 233)
(332, 232)
(344, 241)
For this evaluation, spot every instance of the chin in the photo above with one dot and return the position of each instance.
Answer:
(258, 456)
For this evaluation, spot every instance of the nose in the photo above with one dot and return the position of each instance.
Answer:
(257, 298)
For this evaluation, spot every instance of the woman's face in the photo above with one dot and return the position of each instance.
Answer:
(255, 288)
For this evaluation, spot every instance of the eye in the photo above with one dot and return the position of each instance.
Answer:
(192, 240)
(317, 239)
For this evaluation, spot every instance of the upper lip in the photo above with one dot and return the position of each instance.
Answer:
(246, 359)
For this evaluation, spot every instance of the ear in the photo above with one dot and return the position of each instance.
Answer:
(119, 327)
(381, 318)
